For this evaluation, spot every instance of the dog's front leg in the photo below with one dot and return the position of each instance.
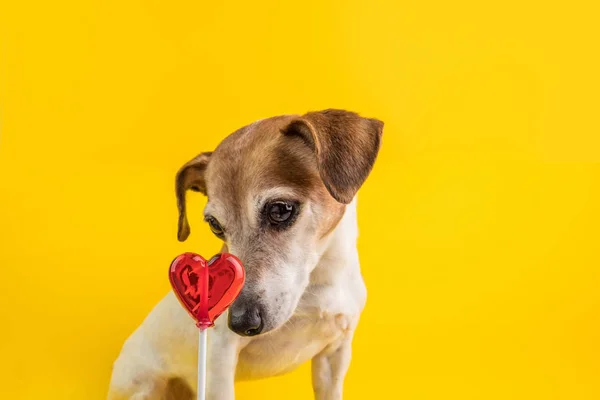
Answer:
(222, 356)
(329, 369)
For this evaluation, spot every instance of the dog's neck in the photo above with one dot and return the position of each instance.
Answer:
(340, 251)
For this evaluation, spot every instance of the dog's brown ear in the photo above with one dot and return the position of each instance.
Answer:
(345, 144)
(189, 177)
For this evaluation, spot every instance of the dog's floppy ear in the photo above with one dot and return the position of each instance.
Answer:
(189, 177)
(345, 145)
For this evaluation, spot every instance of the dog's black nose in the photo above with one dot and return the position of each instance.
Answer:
(245, 321)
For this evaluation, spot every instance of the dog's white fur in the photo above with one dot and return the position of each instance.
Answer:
(321, 330)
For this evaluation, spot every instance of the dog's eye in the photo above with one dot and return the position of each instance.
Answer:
(280, 211)
(215, 227)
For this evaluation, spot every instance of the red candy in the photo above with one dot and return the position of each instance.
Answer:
(206, 289)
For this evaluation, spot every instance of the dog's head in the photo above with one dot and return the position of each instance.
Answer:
(276, 189)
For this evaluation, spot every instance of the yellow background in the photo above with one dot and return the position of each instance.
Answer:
(479, 225)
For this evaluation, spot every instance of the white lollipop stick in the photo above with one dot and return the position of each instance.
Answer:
(202, 364)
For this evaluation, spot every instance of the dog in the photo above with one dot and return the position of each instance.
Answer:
(282, 198)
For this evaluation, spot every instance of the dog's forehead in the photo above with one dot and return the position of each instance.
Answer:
(258, 133)
(258, 158)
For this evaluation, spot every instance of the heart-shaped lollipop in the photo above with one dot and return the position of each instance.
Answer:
(206, 289)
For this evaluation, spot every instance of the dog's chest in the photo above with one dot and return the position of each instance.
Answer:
(322, 320)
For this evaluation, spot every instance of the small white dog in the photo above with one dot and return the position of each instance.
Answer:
(281, 195)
